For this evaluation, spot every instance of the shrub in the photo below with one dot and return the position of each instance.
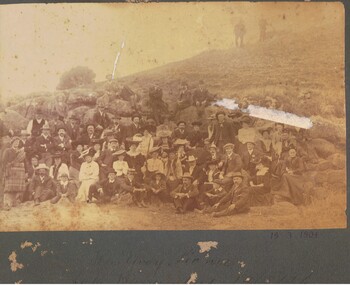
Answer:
(76, 77)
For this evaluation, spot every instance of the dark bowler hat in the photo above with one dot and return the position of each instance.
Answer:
(57, 154)
(187, 175)
(179, 122)
(111, 170)
(220, 113)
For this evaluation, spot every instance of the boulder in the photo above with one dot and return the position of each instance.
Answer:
(120, 107)
(338, 160)
(322, 147)
(80, 112)
(15, 121)
(319, 177)
(81, 96)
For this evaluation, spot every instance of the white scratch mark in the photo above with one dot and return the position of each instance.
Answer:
(13, 262)
(193, 278)
(90, 242)
(268, 114)
(206, 246)
(241, 263)
(43, 252)
(31, 245)
(247, 279)
(18, 282)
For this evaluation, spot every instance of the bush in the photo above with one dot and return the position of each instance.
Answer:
(76, 77)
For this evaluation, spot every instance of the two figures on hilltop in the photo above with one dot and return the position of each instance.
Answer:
(240, 31)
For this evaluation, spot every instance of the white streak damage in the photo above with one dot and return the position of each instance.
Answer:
(90, 242)
(13, 262)
(193, 278)
(206, 246)
(34, 247)
(274, 115)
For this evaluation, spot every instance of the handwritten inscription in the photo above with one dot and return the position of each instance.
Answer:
(294, 235)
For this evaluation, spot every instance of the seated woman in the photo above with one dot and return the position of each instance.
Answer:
(292, 182)
(260, 184)
(120, 166)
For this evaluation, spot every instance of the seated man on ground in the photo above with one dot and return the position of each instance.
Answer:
(236, 201)
(105, 190)
(185, 195)
(131, 185)
(66, 189)
(213, 196)
(157, 189)
(42, 186)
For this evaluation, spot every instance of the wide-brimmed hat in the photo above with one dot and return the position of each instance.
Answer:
(15, 139)
(158, 173)
(191, 158)
(250, 141)
(135, 116)
(110, 170)
(42, 166)
(236, 174)
(119, 152)
(88, 152)
(180, 122)
(164, 134)
(211, 117)
(187, 175)
(262, 130)
(46, 127)
(89, 124)
(220, 113)
(131, 171)
(229, 145)
(154, 149)
(180, 142)
(213, 146)
(113, 140)
(136, 139)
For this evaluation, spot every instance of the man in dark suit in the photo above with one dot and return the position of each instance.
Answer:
(89, 135)
(107, 157)
(42, 186)
(44, 145)
(185, 195)
(135, 127)
(72, 128)
(231, 161)
(131, 185)
(223, 131)
(236, 201)
(249, 155)
(65, 189)
(196, 172)
(196, 137)
(105, 190)
(116, 128)
(180, 132)
(100, 118)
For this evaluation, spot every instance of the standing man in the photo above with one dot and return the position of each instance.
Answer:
(44, 145)
(223, 131)
(34, 126)
(180, 132)
(135, 127)
(239, 31)
(100, 118)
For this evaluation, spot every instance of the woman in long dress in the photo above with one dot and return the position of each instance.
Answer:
(292, 184)
(14, 173)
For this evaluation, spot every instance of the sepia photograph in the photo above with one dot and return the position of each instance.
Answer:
(172, 116)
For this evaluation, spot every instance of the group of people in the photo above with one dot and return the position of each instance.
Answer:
(222, 166)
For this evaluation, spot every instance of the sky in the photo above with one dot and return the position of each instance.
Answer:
(38, 42)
